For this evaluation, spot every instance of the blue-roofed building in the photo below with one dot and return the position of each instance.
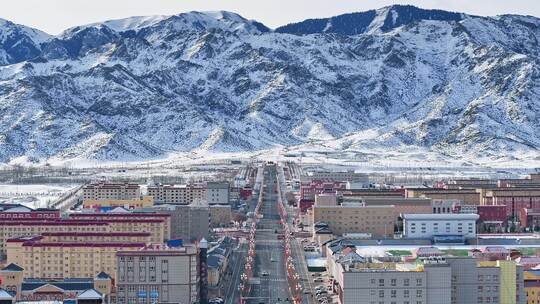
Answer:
(42, 290)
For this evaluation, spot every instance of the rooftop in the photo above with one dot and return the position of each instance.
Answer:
(441, 216)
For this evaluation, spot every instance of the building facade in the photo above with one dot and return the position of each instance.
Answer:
(430, 225)
(111, 191)
(60, 260)
(379, 221)
(467, 196)
(218, 193)
(183, 194)
(136, 203)
(157, 274)
(188, 222)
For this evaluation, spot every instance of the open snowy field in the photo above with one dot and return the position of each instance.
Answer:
(33, 196)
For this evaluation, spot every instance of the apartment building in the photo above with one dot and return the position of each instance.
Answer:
(429, 283)
(218, 193)
(431, 225)
(157, 224)
(514, 199)
(486, 281)
(136, 203)
(401, 204)
(446, 279)
(12, 228)
(340, 176)
(157, 274)
(58, 260)
(532, 286)
(467, 196)
(20, 212)
(379, 221)
(188, 222)
(177, 194)
(111, 191)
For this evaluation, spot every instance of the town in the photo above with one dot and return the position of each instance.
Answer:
(276, 232)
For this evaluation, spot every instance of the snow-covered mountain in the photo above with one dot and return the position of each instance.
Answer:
(390, 78)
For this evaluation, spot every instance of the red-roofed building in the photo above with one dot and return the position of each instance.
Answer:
(55, 256)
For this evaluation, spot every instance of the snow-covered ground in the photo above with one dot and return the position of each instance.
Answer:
(33, 196)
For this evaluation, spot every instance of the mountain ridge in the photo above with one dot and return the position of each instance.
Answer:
(451, 83)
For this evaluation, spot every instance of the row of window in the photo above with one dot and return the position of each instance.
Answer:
(393, 282)
(393, 293)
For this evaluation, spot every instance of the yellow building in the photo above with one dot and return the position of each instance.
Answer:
(158, 225)
(532, 286)
(78, 259)
(356, 218)
(136, 203)
(511, 278)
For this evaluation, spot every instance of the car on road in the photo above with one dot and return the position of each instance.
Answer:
(316, 274)
(318, 280)
(264, 273)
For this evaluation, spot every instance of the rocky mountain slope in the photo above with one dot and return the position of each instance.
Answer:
(390, 78)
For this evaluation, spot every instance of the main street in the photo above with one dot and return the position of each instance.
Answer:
(299, 258)
(270, 257)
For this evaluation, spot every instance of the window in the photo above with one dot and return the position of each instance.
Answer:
(393, 293)
(393, 282)
(406, 282)
(419, 293)
(418, 282)
(381, 282)
(406, 293)
(381, 293)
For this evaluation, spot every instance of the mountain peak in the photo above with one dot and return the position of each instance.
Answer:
(221, 20)
(381, 20)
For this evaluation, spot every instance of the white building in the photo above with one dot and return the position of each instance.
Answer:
(430, 225)
(217, 193)
(339, 176)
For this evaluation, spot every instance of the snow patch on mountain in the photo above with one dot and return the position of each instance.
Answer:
(398, 79)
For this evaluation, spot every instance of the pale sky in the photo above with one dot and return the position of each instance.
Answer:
(53, 16)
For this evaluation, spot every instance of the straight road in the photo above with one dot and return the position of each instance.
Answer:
(270, 256)
(298, 255)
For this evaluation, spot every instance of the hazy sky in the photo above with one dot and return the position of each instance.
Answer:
(53, 16)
